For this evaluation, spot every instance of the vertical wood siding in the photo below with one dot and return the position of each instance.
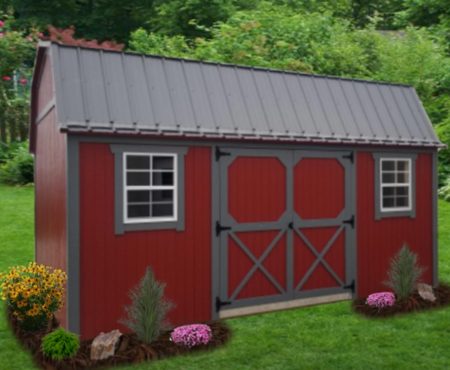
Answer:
(319, 188)
(257, 189)
(257, 193)
(111, 265)
(50, 186)
(319, 193)
(379, 240)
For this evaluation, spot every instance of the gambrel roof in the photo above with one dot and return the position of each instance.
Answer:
(108, 91)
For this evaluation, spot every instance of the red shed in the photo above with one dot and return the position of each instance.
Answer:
(245, 189)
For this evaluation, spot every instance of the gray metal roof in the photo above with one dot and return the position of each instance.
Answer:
(108, 91)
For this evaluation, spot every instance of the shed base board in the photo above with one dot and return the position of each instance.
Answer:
(243, 311)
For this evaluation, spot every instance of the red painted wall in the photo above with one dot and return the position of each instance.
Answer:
(257, 193)
(110, 265)
(379, 240)
(50, 185)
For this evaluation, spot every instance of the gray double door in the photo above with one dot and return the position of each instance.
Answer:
(285, 225)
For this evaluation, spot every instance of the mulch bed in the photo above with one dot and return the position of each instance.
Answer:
(130, 349)
(413, 303)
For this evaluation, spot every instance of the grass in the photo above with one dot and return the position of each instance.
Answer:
(320, 337)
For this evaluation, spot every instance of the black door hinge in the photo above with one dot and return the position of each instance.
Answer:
(349, 156)
(350, 286)
(220, 228)
(220, 303)
(219, 153)
(350, 221)
(291, 225)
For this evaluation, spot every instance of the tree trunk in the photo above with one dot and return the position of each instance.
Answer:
(12, 128)
(3, 137)
(23, 130)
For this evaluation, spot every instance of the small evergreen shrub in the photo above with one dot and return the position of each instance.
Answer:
(444, 191)
(18, 165)
(146, 316)
(60, 344)
(381, 299)
(191, 335)
(404, 273)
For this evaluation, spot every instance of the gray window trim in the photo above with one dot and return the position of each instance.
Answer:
(120, 225)
(379, 214)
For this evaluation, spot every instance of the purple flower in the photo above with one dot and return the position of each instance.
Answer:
(191, 335)
(381, 299)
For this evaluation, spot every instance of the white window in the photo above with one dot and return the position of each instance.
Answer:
(395, 184)
(149, 187)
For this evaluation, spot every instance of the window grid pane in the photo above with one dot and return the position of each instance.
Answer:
(395, 181)
(149, 192)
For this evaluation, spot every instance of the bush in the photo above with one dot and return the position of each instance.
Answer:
(381, 299)
(60, 344)
(33, 293)
(404, 273)
(18, 165)
(147, 313)
(444, 191)
(191, 335)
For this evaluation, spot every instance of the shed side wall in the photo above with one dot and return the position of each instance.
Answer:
(379, 240)
(50, 184)
(110, 265)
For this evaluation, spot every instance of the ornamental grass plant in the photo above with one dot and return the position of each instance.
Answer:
(404, 273)
(146, 316)
(33, 293)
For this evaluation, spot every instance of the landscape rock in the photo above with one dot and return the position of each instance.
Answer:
(426, 292)
(104, 345)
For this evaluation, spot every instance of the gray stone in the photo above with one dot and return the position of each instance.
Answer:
(104, 345)
(426, 292)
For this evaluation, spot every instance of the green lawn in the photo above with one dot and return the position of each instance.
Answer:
(321, 337)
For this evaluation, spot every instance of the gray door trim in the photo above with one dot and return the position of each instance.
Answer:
(281, 225)
(287, 224)
(257, 264)
(319, 257)
(347, 160)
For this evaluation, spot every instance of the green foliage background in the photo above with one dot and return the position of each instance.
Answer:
(404, 41)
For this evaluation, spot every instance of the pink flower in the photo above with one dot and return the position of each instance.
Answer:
(6, 78)
(2, 24)
(191, 335)
(1, 35)
(23, 81)
(381, 299)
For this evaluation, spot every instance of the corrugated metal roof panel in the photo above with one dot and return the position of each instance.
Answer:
(124, 92)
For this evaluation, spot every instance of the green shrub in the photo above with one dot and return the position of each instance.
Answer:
(404, 273)
(60, 344)
(147, 313)
(18, 165)
(444, 191)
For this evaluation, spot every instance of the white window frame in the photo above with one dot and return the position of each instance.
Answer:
(396, 184)
(174, 187)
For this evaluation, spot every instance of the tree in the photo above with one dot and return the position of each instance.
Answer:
(191, 18)
(93, 19)
(16, 60)
(276, 37)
